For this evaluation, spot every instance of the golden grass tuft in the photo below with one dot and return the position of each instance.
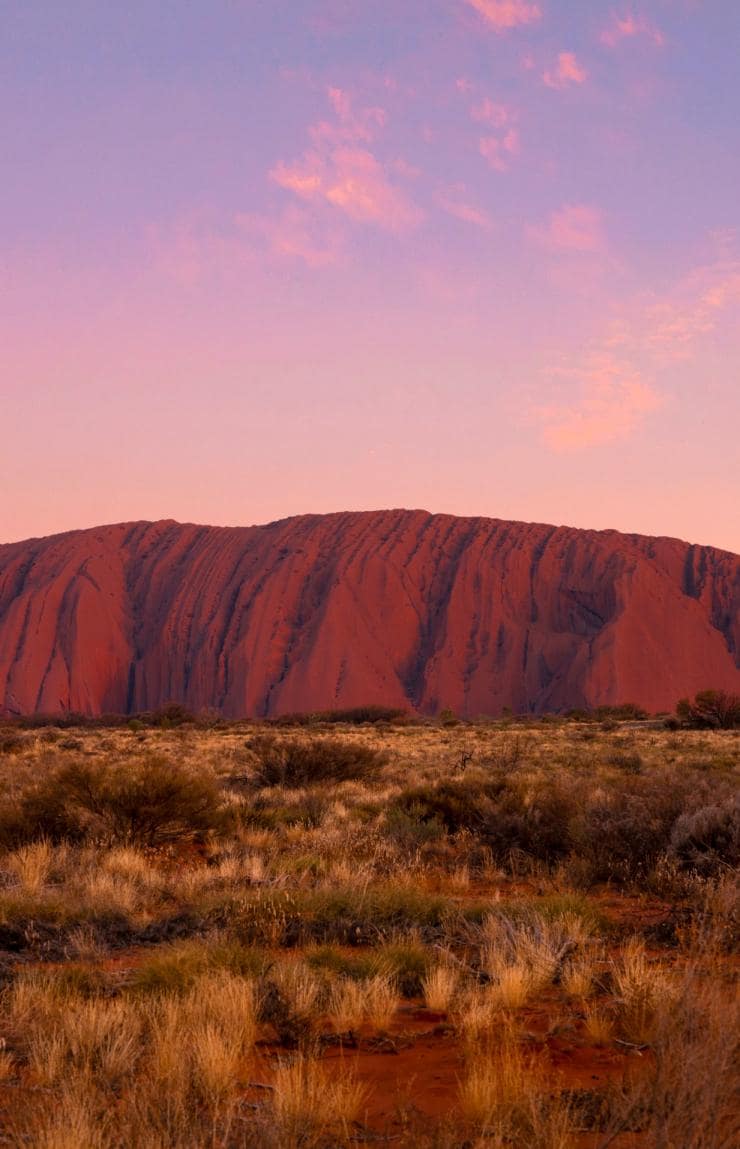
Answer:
(381, 997)
(439, 987)
(309, 1097)
(644, 990)
(347, 1004)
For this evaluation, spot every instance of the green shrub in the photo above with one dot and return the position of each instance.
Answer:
(12, 743)
(407, 962)
(624, 712)
(710, 710)
(176, 967)
(352, 716)
(629, 763)
(620, 833)
(150, 802)
(165, 717)
(344, 915)
(502, 815)
(332, 960)
(707, 840)
(301, 762)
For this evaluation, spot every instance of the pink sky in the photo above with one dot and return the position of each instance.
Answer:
(476, 256)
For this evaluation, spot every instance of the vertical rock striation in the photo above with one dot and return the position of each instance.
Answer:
(397, 607)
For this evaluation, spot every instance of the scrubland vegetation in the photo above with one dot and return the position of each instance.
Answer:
(324, 934)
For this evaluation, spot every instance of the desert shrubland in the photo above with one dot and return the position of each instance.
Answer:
(255, 936)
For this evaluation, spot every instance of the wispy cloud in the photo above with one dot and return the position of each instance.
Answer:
(292, 234)
(498, 150)
(196, 247)
(607, 399)
(605, 394)
(629, 25)
(489, 112)
(357, 184)
(341, 170)
(502, 15)
(501, 141)
(456, 204)
(566, 72)
(674, 325)
(575, 227)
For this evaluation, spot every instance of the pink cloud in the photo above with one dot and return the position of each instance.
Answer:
(568, 71)
(453, 202)
(604, 394)
(358, 185)
(340, 170)
(574, 227)
(195, 246)
(498, 150)
(292, 234)
(351, 124)
(305, 179)
(503, 15)
(628, 27)
(610, 400)
(673, 326)
(501, 141)
(489, 112)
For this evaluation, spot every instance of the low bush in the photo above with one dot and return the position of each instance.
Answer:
(408, 963)
(149, 802)
(707, 840)
(294, 762)
(167, 716)
(620, 834)
(503, 816)
(341, 914)
(710, 710)
(624, 712)
(12, 743)
(351, 716)
(175, 968)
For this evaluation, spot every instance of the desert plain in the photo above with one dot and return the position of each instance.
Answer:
(405, 932)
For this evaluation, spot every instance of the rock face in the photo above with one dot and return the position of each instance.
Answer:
(395, 607)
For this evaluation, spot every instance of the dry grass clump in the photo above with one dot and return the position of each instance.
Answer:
(599, 1025)
(77, 1119)
(520, 957)
(372, 1000)
(503, 1095)
(381, 996)
(347, 1004)
(477, 1013)
(31, 865)
(188, 1048)
(687, 1096)
(439, 986)
(300, 988)
(89, 1037)
(577, 978)
(309, 1098)
(645, 992)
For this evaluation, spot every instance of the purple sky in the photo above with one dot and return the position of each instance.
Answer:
(264, 257)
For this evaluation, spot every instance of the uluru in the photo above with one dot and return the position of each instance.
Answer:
(400, 608)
